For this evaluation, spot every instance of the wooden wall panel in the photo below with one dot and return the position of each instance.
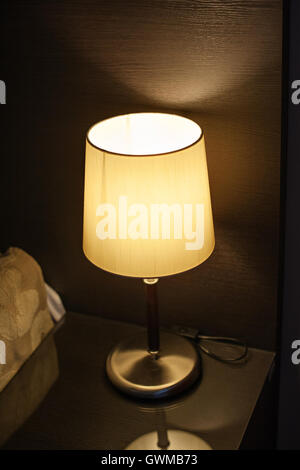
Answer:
(70, 64)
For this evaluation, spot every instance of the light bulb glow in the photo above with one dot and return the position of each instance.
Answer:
(144, 134)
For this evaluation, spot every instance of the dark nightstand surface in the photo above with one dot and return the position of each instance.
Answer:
(77, 408)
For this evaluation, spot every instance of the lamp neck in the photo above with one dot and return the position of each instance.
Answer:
(151, 281)
(152, 317)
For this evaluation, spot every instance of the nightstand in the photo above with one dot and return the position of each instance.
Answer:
(77, 408)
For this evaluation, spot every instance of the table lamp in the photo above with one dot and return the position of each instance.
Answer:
(147, 214)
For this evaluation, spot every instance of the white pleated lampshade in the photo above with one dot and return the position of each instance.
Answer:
(147, 207)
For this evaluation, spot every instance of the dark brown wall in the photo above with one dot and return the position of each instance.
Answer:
(70, 64)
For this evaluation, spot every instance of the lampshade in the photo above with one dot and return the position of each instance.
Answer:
(147, 207)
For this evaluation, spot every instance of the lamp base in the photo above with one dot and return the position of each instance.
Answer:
(132, 369)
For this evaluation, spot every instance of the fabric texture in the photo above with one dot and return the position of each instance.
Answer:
(24, 316)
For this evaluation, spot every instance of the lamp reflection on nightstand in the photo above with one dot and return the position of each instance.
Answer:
(147, 214)
(169, 439)
(165, 437)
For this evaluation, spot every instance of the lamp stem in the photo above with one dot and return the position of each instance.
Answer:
(152, 317)
(162, 432)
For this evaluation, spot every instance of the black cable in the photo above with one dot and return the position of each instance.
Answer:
(223, 339)
(193, 334)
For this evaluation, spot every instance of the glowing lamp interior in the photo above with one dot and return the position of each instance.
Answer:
(144, 134)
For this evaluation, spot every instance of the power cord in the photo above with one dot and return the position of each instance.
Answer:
(194, 334)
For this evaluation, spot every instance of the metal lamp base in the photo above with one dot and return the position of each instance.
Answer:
(135, 371)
